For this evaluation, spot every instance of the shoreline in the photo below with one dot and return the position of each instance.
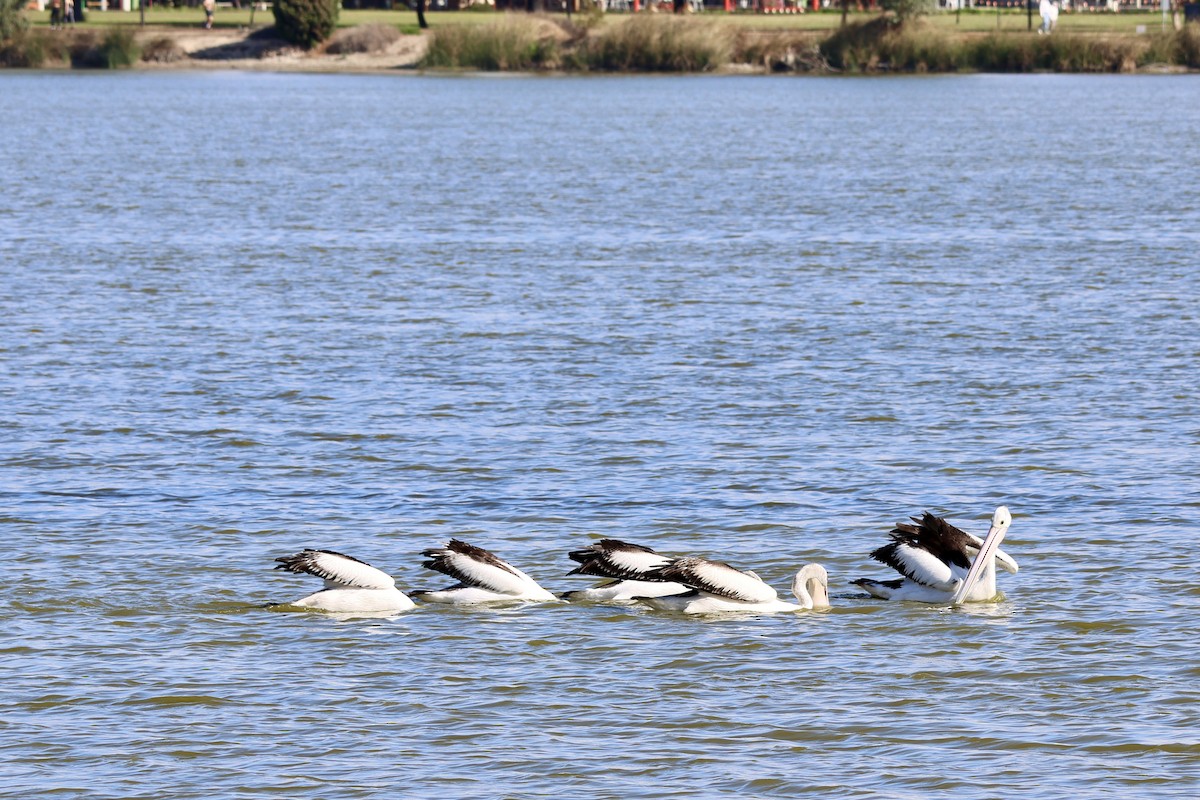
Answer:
(913, 49)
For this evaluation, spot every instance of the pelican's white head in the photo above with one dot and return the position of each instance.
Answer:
(1002, 519)
(1000, 522)
(811, 586)
(983, 565)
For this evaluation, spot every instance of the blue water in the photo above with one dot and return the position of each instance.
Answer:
(760, 320)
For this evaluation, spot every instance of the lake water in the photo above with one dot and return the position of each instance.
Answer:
(756, 319)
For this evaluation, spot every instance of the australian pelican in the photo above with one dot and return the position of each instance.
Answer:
(481, 576)
(626, 566)
(350, 585)
(715, 587)
(940, 563)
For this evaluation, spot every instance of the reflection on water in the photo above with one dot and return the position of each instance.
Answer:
(756, 320)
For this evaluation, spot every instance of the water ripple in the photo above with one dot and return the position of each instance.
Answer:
(749, 340)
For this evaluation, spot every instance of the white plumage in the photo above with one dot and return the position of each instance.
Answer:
(940, 563)
(628, 566)
(481, 576)
(717, 587)
(350, 585)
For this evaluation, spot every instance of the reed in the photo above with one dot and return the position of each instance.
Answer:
(116, 48)
(856, 47)
(27, 50)
(119, 48)
(513, 42)
(885, 45)
(917, 48)
(779, 51)
(657, 43)
(642, 43)
(1187, 46)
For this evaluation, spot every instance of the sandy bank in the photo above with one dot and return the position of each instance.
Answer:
(237, 49)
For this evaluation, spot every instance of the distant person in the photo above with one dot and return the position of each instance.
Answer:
(209, 5)
(69, 11)
(1045, 8)
(55, 14)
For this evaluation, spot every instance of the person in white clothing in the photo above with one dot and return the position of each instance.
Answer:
(1045, 8)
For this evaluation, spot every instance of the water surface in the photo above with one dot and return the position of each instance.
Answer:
(756, 319)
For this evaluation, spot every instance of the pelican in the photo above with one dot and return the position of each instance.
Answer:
(482, 577)
(350, 585)
(940, 563)
(627, 566)
(717, 587)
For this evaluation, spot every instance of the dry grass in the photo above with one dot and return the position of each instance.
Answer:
(883, 45)
(779, 51)
(27, 50)
(658, 43)
(375, 37)
(513, 42)
(163, 50)
(112, 49)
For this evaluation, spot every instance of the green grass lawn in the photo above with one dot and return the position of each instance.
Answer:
(979, 21)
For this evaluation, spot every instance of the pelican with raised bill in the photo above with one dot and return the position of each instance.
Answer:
(715, 587)
(481, 576)
(940, 563)
(627, 566)
(350, 585)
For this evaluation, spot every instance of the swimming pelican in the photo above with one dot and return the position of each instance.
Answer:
(350, 585)
(627, 565)
(482, 577)
(940, 563)
(718, 587)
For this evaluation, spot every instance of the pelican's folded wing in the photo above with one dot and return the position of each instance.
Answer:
(717, 578)
(337, 570)
(917, 564)
(474, 566)
(612, 558)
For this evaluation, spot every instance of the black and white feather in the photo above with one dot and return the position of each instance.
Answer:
(928, 551)
(482, 576)
(350, 584)
(612, 558)
(338, 570)
(717, 578)
(934, 557)
(629, 568)
(717, 588)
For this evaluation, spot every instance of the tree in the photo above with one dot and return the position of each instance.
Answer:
(12, 21)
(305, 23)
(908, 9)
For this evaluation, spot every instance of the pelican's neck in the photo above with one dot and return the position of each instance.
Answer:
(811, 586)
(985, 589)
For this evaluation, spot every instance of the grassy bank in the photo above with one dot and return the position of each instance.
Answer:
(666, 43)
(82, 49)
(881, 45)
(969, 21)
(713, 42)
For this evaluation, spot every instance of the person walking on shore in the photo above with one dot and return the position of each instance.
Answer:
(208, 14)
(1049, 11)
